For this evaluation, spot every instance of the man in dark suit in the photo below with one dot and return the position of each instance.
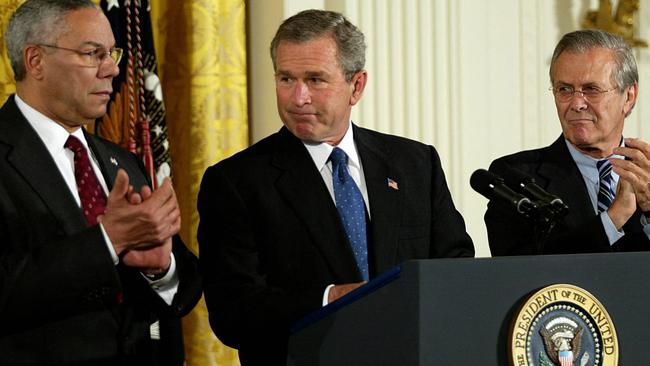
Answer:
(595, 83)
(276, 241)
(91, 269)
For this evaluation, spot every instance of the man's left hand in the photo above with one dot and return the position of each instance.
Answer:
(154, 259)
(635, 169)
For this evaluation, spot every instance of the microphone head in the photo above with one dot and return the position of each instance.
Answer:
(492, 187)
(483, 182)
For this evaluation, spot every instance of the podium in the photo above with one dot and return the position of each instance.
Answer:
(460, 311)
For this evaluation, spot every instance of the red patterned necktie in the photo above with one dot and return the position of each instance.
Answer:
(91, 193)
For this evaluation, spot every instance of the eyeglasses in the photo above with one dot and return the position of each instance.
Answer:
(93, 57)
(591, 94)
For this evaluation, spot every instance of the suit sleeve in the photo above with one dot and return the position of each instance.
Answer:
(246, 310)
(43, 281)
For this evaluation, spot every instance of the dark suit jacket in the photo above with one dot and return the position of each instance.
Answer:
(271, 240)
(581, 231)
(59, 289)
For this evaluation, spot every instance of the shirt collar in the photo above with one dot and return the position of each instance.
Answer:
(584, 159)
(320, 152)
(587, 164)
(53, 134)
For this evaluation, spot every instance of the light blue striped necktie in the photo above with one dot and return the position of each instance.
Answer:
(352, 209)
(606, 189)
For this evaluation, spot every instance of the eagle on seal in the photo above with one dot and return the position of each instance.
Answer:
(562, 347)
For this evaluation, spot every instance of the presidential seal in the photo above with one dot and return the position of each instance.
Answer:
(563, 325)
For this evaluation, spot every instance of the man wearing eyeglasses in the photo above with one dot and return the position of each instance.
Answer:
(602, 177)
(92, 270)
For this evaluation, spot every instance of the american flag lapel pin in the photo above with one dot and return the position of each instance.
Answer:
(113, 161)
(392, 184)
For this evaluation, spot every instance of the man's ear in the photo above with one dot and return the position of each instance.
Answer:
(358, 82)
(631, 94)
(33, 61)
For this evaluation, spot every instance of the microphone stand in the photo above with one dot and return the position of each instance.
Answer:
(546, 217)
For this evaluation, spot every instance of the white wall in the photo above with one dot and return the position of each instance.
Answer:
(467, 76)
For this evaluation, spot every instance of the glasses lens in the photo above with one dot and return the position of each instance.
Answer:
(563, 94)
(594, 96)
(116, 55)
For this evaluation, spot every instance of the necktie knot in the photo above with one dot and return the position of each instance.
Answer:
(604, 168)
(339, 160)
(74, 145)
(338, 157)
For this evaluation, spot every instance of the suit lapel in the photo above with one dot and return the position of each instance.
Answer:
(108, 163)
(385, 203)
(301, 185)
(31, 159)
(562, 175)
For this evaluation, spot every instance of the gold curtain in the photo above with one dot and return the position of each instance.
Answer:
(201, 51)
(201, 47)
(7, 84)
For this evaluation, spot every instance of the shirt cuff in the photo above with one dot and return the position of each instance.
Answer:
(167, 286)
(109, 245)
(646, 225)
(326, 294)
(613, 235)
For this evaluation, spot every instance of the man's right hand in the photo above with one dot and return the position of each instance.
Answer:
(624, 204)
(151, 222)
(338, 291)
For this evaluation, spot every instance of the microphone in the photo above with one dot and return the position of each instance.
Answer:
(491, 186)
(526, 185)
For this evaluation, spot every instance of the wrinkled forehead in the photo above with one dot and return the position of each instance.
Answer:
(593, 65)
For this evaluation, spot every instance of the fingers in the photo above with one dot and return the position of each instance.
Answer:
(120, 185)
(133, 197)
(159, 210)
(638, 144)
(629, 170)
(133, 218)
(635, 169)
(162, 201)
(145, 192)
(637, 151)
(339, 291)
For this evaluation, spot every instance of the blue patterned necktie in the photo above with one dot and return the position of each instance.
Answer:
(605, 191)
(352, 209)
